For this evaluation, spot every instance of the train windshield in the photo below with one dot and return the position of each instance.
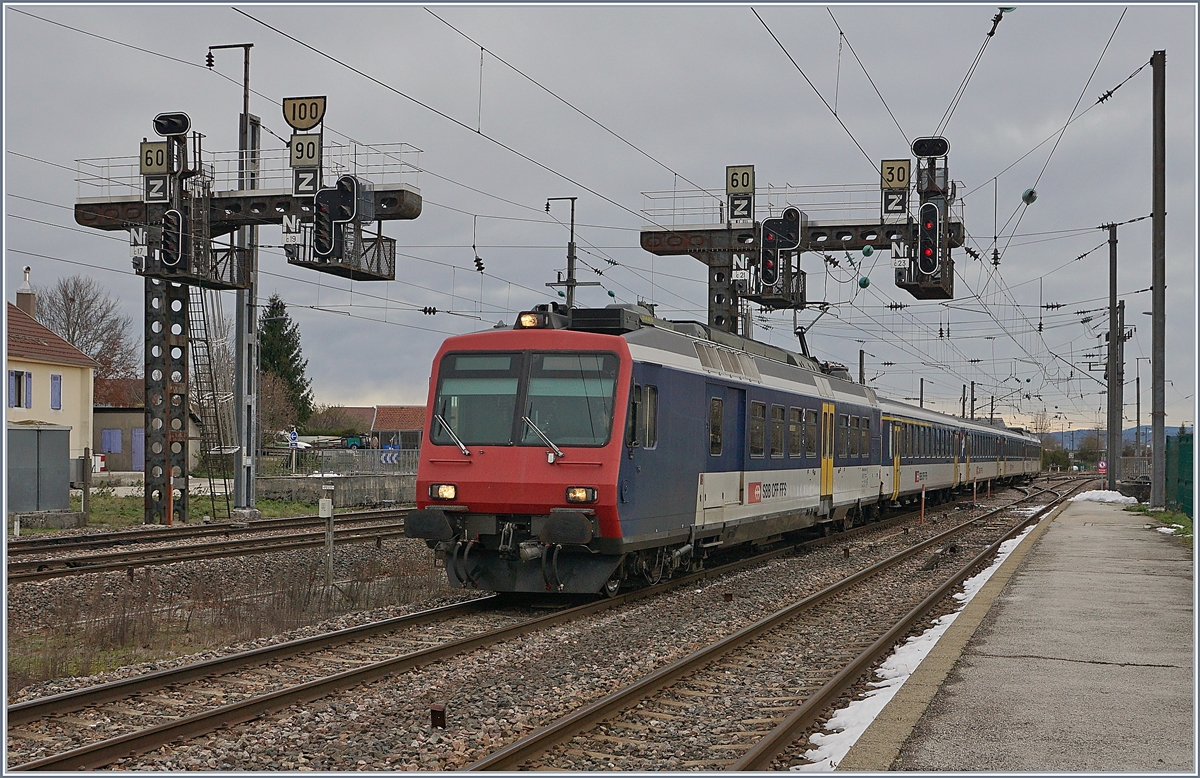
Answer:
(569, 397)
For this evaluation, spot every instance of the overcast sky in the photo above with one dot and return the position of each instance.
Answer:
(674, 94)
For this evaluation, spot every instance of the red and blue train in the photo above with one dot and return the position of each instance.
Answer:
(602, 448)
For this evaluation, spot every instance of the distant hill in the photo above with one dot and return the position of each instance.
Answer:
(1127, 436)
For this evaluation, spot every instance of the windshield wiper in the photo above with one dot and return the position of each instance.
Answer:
(466, 452)
(557, 451)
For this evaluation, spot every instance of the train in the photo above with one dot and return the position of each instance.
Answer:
(588, 450)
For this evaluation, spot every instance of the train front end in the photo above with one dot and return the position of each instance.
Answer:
(517, 480)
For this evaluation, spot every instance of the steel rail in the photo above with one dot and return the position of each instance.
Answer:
(513, 755)
(66, 702)
(52, 543)
(42, 569)
(761, 754)
(105, 752)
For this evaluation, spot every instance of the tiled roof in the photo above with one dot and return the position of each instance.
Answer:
(399, 417)
(119, 393)
(27, 338)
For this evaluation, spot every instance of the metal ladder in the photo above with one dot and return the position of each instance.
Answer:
(212, 450)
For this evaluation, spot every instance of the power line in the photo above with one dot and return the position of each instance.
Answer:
(449, 118)
(577, 110)
(868, 75)
(800, 70)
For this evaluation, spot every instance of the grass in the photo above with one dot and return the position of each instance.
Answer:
(112, 512)
(121, 622)
(1181, 522)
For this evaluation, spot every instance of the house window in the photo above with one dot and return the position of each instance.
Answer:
(56, 391)
(110, 441)
(777, 427)
(20, 389)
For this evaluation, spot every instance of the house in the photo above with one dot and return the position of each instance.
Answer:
(398, 426)
(120, 426)
(49, 380)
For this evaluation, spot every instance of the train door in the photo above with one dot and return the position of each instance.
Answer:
(895, 457)
(828, 428)
(725, 425)
(954, 451)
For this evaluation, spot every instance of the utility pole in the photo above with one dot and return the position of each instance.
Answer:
(922, 392)
(1137, 361)
(1112, 371)
(1158, 257)
(972, 399)
(570, 283)
(862, 366)
(964, 401)
(246, 242)
(992, 414)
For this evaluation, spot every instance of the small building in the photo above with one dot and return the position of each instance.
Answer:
(120, 426)
(49, 380)
(398, 426)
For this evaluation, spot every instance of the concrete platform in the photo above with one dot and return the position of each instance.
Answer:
(1076, 656)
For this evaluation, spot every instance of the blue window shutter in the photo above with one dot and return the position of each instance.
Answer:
(12, 388)
(56, 392)
(29, 390)
(110, 441)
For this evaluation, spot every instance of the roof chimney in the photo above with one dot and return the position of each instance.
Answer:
(26, 299)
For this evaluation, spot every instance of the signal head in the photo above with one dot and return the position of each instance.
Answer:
(935, 146)
(169, 124)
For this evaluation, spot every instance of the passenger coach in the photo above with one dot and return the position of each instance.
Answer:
(580, 454)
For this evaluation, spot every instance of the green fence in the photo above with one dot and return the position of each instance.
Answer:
(1179, 473)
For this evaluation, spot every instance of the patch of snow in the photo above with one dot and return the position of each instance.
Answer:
(1167, 530)
(847, 725)
(1104, 495)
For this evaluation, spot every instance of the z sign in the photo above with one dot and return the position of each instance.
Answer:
(305, 181)
(895, 201)
(156, 190)
(741, 207)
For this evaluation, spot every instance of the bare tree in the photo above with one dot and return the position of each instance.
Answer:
(82, 313)
(332, 420)
(275, 410)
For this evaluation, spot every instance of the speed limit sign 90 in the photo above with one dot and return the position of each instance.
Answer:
(306, 150)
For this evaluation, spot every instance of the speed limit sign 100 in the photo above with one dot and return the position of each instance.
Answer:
(155, 158)
(306, 150)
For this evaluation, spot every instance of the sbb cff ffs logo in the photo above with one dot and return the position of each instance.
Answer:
(778, 235)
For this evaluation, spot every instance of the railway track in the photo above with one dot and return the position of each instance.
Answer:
(356, 656)
(759, 688)
(50, 544)
(40, 569)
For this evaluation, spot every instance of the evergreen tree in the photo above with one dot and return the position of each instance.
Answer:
(279, 352)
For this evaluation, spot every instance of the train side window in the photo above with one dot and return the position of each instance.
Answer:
(795, 432)
(854, 437)
(633, 421)
(777, 430)
(716, 420)
(811, 434)
(864, 445)
(843, 435)
(650, 408)
(758, 429)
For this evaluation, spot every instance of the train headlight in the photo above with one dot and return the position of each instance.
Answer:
(581, 494)
(443, 491)
(527, 321)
